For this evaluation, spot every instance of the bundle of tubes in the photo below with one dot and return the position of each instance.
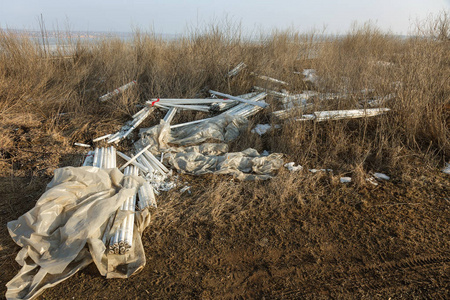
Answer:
(242, 109)
(248, 105)
(122, 240)
(104, 158)
(231, 103)
(204, 105)
(170, 115)
(246, 110)
(255, 103)
(146, 197)
(138, 118)
(145, 161)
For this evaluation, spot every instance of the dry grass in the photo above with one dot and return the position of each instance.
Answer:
(416, 69)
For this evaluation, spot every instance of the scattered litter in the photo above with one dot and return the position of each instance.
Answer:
(382, 63)
(319, 116)
(117, 91)
(101, 138)
(377, 101)
(130, 126)
(381, 176)
(271, 92)
(292, 168)
(292, 108)
(184, 189)
(310, 75)
(372, 181)
(274, 80)
(367, 91)
(260, 104)
(237, 69)
(345, 179)
(263, 128)
(446, 170)
(320, 170)
(82, 145)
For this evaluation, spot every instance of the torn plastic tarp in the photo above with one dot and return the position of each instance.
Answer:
(67, 220)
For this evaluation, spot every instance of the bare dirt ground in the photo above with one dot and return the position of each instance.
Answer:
(250, 240)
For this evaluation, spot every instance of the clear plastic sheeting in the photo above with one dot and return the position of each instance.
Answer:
(66, 230)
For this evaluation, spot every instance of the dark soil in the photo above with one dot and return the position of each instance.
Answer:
(296, 236)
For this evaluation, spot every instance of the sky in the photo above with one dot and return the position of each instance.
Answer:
(177, 16)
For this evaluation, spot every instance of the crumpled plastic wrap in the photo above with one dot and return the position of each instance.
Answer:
(198, 157)
(223, 128)
(244, 165)
(65, 231)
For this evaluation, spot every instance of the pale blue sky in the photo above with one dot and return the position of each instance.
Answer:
(175, 16)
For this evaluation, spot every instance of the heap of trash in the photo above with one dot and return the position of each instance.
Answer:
(98, 211)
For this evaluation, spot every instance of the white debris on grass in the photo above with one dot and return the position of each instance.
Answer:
(446, 170)
(185, 188)
(261, 129)
(381, 176)
(82, 145)
(292, 167)
(117, 91)
(237, 69)
(271, 92)
(267, 78)
(345, 179)
(372, 181)
(310, 75)
(320, 170)
(319, 116)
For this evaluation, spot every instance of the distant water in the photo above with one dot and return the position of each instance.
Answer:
(65, 41)
(63, 37)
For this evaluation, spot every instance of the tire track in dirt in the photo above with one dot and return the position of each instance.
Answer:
(374, 277)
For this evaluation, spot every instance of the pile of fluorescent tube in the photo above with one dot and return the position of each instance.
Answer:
(138, 118)
(205, 105)
(103, 158)
(244, 109)
(122, 240)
